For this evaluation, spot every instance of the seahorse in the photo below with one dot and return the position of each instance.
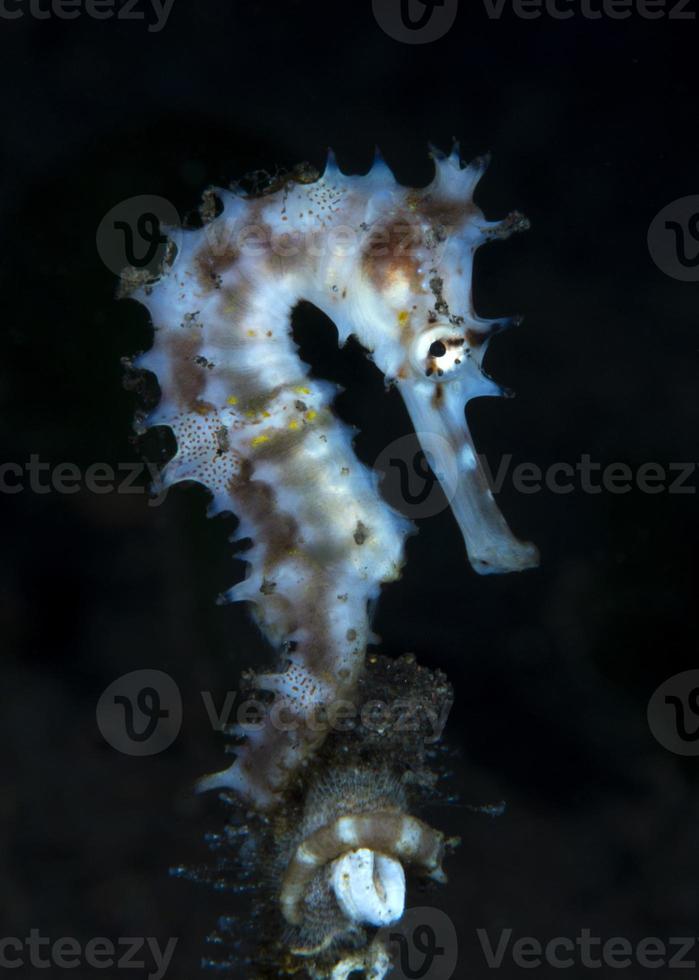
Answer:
(391, 266)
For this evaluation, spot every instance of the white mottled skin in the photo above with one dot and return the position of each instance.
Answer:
(392, 266)
(370, 887)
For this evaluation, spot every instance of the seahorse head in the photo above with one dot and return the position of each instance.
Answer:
(402, 285)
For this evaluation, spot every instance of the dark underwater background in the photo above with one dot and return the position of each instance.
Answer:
(592, 129)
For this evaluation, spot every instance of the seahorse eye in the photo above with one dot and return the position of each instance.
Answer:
(439, 352)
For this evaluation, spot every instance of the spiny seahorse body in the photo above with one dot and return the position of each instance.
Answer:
(391, 265)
